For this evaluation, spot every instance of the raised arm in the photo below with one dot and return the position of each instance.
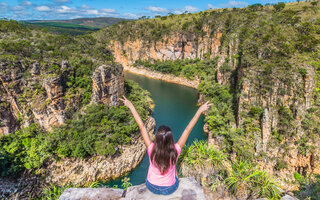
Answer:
(136, 116)
(191, 124)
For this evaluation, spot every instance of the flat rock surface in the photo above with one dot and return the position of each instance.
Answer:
(189, 189)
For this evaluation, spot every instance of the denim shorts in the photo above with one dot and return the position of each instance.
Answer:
(162, 190)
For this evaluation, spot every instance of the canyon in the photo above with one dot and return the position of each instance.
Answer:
(297, 95)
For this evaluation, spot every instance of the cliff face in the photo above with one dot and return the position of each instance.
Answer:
(176, 46)
(107, 85)
(31, 94)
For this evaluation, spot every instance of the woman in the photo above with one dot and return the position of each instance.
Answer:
(163, 152)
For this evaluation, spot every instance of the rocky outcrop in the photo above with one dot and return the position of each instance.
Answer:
(51, 112)
(107, 85)
(27, 186)
(188, 189)
(31, 93)
(82, 171)
(36, 98)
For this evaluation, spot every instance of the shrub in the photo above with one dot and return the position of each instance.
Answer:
(279, 6)
(245, 178)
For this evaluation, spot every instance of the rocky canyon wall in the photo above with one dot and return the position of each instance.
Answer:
(31, 94)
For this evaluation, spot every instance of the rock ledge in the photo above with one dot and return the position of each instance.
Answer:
(189, 189)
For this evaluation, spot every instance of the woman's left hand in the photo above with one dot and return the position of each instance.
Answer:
(126, 102)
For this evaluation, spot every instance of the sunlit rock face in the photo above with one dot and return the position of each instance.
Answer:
(107, 85)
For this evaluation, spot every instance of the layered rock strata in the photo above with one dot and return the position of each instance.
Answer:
(107, 85)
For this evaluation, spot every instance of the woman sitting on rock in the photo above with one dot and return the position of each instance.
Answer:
(163, 152)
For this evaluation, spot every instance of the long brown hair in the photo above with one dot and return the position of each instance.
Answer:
(164, 154)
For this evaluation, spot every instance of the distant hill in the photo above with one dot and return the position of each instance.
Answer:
(60, 27)
(98, 22)
(78, 26)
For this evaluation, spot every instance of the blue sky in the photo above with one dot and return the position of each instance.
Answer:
(69, 9)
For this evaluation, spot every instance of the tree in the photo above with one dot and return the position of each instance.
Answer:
(143, 17)
(279, 6)
(314, 3)
(255, 7)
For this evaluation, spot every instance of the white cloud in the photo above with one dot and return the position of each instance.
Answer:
(3, 5)
(156, 9)
(185, 9)
(235, 4)
(62, 1)
(26, 3)
(107, 10)
(92, 12)
(42, 8)
(191, 9)
(210, 6)
(57, 10)
(16, 8)
(66, 9)
(130, 15)
(84, 6)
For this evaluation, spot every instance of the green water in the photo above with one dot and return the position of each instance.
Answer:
(175, 106)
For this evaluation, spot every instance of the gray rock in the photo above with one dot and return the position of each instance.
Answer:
(288, 197)
(189, 189)
(91, 193)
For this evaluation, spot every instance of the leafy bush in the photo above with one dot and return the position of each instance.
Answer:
(239, 177)
(199, 154)
(245, 178)
(309, 186)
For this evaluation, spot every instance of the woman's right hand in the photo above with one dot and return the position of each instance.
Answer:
(126, 102)
(205, 107)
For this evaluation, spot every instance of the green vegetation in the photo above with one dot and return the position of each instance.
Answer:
(126, 183)
(245, 178)
(199, 154)
(19, 43)
(309, 186)
(99, 131)
(189, 68)
(240, 177)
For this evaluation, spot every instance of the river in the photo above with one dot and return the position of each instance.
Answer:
(175, 106)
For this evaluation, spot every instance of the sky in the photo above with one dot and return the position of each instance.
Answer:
(70, 9)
